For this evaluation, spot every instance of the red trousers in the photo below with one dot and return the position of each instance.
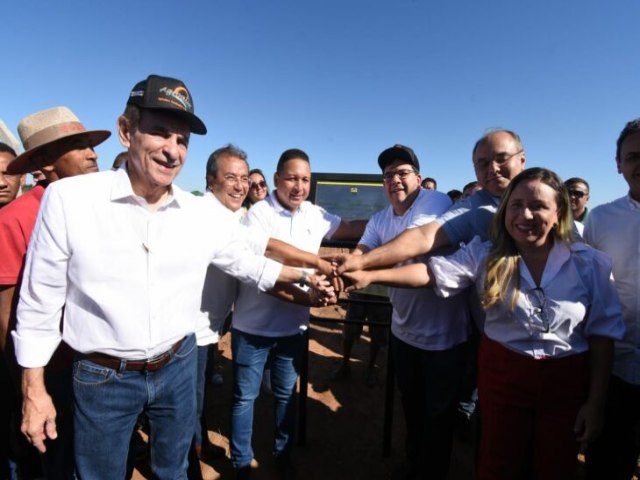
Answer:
(528, 409)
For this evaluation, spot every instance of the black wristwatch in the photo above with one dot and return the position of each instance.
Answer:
(303, 278)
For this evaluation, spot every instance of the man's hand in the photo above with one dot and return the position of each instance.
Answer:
(345, 262)
(321, 292)
(324, 267)
(589, 423)
(356, 280)
(38, 412)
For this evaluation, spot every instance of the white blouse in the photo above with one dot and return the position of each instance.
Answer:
(576, 299)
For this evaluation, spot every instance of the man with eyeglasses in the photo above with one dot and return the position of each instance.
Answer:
(227, 184)
(429, 333)
(578, 197)
(498, 156)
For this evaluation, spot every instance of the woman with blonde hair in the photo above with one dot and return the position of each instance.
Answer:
(552, 314)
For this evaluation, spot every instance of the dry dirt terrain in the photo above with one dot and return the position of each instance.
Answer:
(344, 435)
(344, 419)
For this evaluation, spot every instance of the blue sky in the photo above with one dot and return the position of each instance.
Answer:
(344, 79)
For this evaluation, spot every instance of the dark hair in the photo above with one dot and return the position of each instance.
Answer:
(470, 185)
(629, 129)
(291, 154)
(259, 172)
(484, 138)
(429, 179)
(132, 114)
(229, 150)
(454, 195)
(247, 201)
(6, 148)
(574, 180)
(119, 160)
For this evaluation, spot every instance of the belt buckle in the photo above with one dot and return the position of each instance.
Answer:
(150, 363)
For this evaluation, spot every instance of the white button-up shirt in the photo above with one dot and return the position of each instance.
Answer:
(220, 289)
(614, 228)
(576, 299)
(257, 313)
(130, 278)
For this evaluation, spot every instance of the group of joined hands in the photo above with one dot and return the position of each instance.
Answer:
(334, 274)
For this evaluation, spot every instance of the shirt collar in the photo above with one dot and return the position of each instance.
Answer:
(239, 214)
(121, 189)
(488, 196)
(558, 255)
(280, 209)
(633, 203)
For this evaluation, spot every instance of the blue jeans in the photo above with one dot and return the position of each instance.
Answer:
(250, 354)
(107, 405)
(202, 374)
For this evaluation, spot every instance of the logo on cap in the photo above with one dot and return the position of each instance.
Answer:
(179, 95)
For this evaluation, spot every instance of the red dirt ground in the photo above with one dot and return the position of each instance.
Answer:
(344, 419)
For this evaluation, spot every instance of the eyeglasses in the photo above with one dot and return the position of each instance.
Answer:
(257, 185)
(537, 306)
(577, 193)
(499, 159)
(402, 174)
(234, 179)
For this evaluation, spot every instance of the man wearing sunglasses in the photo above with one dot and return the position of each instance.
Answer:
(578, 197)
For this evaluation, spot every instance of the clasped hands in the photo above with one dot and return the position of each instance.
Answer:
(335, 274)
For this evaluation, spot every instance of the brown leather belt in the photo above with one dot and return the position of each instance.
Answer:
(146, 365)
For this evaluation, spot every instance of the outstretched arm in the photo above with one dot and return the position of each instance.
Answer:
(289, 255)
(320, 293)
(415, 275)
(409, 244)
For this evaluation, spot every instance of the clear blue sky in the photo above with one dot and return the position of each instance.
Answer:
(344, 79)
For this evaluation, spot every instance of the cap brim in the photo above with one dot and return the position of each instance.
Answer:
(23, 163)
(196, 125)
(393, 154)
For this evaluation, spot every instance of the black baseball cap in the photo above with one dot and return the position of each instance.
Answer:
(398, 152)
(166, 93)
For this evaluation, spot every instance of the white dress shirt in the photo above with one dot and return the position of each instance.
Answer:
(220, 289)
(576, 299)
(614, 228)
(258, 313)
(129, 277)
(420, 318)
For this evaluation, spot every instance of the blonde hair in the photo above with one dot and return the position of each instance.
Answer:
(503, 273)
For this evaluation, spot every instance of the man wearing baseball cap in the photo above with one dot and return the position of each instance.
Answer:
(428, 333)
(126, 252)
(57, 143)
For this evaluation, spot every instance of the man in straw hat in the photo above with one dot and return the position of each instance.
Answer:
(126, 252)
(60, 146)
(9, 184)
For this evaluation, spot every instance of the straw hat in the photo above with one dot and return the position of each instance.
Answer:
(8, 138)
(46, 127)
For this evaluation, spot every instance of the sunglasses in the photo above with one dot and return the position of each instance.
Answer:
(577, 193)
(257, 185)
